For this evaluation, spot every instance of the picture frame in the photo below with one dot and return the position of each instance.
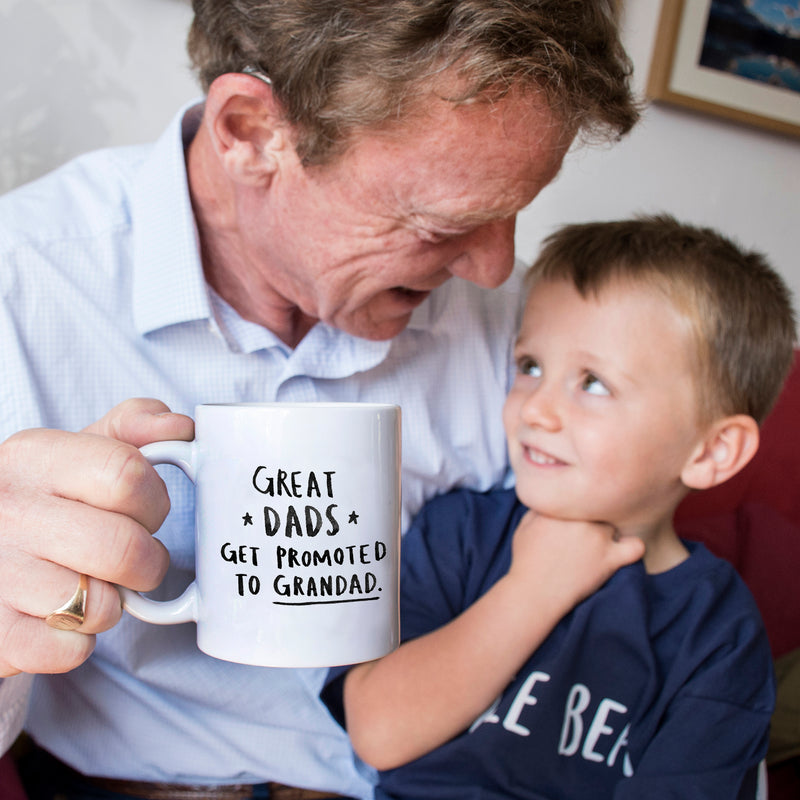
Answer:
(713, 56)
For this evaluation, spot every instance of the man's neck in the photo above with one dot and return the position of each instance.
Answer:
(243, 284)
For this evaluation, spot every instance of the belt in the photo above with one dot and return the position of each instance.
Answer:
(179, 791)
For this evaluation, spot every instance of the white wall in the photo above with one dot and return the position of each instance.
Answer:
(76, 75)
(743, 181)
(80, 74)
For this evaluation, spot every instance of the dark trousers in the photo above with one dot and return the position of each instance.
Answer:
(46, 778)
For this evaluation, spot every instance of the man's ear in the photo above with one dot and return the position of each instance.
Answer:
(247, 128)
(727, 448)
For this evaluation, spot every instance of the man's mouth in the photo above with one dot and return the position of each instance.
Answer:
(415, 296)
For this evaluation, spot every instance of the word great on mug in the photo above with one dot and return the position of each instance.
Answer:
(289, 484)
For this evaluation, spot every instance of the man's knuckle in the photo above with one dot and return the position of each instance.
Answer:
(135, 560)
(122, 547)
(126, 471)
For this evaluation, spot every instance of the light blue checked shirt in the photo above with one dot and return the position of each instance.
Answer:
(102, 298)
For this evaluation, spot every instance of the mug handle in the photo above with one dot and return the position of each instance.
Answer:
(184, 608)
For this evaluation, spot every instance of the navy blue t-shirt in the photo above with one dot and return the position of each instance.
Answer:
(657, 686)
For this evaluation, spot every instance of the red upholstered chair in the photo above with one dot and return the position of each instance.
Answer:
(10, 787)
(753, 520)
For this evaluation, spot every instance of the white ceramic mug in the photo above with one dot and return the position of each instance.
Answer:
(297, 533)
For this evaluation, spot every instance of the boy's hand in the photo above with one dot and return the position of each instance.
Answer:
(566, 560)
(433, 686)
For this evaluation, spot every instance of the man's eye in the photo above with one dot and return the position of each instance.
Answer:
(593, 385)
(440, 236)
(431, 237)
(437, 236)
(528, 366)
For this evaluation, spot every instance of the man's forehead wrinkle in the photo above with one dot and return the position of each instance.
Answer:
(493, 206)
(461, 178)
(472, 218)
(498, 199)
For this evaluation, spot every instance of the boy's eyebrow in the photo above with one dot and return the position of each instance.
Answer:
(518, 341)
(604, 364)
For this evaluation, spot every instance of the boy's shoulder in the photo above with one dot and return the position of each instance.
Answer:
(704, 607)
(702, 580)
(464, 505)
(461, 528)
(706, 573)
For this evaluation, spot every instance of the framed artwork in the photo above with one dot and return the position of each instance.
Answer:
(739, 59)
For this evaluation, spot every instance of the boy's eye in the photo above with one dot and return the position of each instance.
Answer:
(529, 366)
(593, 385)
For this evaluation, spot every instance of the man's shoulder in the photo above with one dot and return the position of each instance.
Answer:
(84, 197)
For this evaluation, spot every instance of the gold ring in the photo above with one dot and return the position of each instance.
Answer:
(73, 613)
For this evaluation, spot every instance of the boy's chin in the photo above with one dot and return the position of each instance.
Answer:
(549, 508)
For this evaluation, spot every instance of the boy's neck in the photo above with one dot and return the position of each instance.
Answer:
(664, 554)
(663, 548)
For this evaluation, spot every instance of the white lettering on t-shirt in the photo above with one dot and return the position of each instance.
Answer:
(522, 699)
(599, 728)
(622, 740)
(577, 703)
(597, 738)
(490, 715)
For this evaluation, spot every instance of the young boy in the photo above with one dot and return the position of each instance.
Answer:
(534, 666)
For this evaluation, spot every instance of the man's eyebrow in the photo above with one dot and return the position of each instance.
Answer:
(466, 219)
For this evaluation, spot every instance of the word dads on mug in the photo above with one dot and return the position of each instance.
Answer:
(297, 533)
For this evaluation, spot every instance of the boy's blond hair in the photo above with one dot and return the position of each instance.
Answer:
(738, 307)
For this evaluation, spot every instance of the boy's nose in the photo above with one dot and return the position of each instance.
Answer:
(540, 410)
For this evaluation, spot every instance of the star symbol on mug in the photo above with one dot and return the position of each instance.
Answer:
(353, 518)
(248, 518)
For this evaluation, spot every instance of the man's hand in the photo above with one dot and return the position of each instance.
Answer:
(73, 503)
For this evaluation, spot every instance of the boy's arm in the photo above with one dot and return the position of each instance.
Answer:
(716, 729)
(413, 700)
(718, 747)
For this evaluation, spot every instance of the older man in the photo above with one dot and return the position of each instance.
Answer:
(291, 238)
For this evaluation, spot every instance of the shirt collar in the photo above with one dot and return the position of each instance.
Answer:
(168, 284)
(324, 352)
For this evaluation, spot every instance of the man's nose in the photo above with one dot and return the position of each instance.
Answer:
(487, 257)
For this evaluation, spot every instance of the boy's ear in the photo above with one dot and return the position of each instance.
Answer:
(247, 128)
(727, 447)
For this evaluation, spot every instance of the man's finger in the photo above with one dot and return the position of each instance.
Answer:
(143, 420)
